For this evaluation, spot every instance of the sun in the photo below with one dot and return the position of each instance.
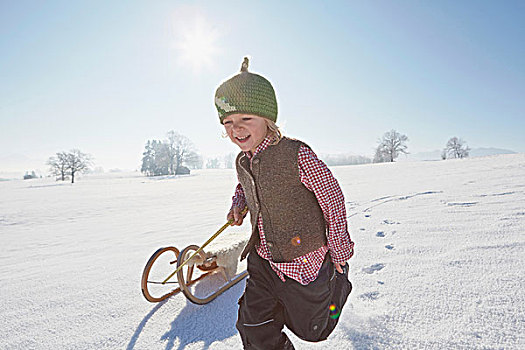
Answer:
(197, 46)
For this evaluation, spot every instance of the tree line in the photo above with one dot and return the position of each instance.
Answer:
(177, 154)
(174, 155)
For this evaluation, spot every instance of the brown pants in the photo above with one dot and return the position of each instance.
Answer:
(268, 304)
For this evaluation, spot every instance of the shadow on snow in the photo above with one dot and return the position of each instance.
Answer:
(205, 324)
(142, 324)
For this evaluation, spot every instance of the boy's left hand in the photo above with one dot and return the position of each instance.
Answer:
(339, 267)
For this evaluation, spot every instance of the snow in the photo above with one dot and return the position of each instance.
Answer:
(439, 258)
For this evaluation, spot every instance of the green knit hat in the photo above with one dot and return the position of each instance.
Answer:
(247, 93)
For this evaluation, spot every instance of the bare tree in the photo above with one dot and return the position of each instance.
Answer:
(58, 165)
(456, 148)
(390, 146)
(171, 148)
(180, 151)
(77, 162)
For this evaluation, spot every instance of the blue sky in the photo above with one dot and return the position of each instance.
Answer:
(105, 77)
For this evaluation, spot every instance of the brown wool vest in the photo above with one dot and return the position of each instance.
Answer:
(293, 222)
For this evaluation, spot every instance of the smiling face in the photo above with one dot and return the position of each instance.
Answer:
(245, 130)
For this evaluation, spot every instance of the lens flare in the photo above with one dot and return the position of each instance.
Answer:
(334, 313)
(335, 316)
(296, 241)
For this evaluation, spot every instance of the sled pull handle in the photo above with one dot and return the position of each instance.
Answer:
(224, 227)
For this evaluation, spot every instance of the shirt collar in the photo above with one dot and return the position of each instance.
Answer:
(262, 146)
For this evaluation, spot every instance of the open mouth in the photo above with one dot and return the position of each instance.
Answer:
(242, 139)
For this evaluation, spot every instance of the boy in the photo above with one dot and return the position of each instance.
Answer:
(297, 214)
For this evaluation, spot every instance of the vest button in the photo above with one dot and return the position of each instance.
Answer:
(256, 161)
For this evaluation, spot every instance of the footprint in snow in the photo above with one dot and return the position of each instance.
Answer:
(389, 246)
(362, 228)
(462, 204)
(373, 268)
(380, 234)
(390, 222)
(367, 215)
(476, 335)
(495, 194)
(381, 198)
(352, 205)
(369, 296)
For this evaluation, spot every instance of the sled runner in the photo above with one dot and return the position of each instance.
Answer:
(191, 265)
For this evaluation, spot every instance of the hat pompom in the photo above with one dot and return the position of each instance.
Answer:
(245, 64)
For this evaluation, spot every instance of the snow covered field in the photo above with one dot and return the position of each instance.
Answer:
(439, 262)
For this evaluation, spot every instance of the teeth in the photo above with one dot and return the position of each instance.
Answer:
(242, 138)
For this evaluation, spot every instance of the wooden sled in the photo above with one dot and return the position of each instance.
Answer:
(155, 290)
(222, 262)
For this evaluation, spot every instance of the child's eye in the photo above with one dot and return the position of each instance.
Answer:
(246, 118)
(226, 122)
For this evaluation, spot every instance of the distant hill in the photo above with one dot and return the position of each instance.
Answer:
(436, 155)
(482, 152)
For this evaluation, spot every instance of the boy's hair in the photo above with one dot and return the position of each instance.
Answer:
(274, 131)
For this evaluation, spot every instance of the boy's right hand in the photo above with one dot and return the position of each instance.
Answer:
(236, 215)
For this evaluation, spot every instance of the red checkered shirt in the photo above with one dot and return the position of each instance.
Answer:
(316, 177)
